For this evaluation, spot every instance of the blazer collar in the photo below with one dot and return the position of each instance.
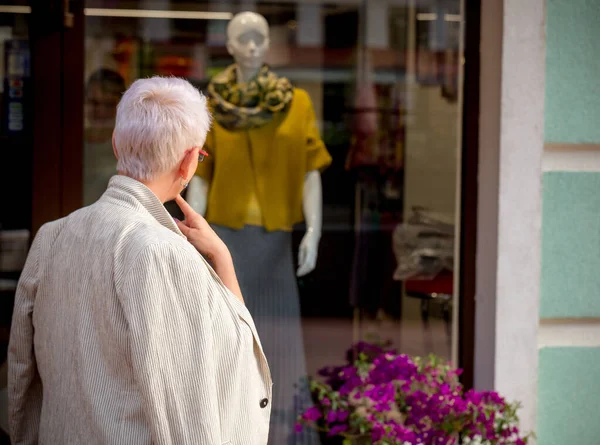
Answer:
(135, 195)
(128, 192)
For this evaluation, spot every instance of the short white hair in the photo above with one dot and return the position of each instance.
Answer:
(158, 119)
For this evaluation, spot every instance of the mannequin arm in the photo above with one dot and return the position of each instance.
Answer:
(312, 204)
(197, 194)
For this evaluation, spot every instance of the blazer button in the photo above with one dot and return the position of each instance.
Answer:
(264, 403)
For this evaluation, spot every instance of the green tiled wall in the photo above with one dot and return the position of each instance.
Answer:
(570, 276)
(572, 71)
(569, 396)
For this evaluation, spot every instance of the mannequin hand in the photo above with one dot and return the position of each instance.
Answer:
(197, 194)
(307, 257)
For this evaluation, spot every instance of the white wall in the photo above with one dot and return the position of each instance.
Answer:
(508, 239)
(487, 206)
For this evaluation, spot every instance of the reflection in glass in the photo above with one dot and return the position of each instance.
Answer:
(384, 94)
(102, 93)
(265, 136)
(16, 113)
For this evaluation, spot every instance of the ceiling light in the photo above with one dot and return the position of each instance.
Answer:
(431, 17)
(452, 17)
(157, 14)
(15, 9)
(426, 17)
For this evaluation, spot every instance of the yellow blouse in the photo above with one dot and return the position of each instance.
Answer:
(267, 163)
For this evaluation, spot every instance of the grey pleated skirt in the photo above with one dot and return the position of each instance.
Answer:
(265, 270)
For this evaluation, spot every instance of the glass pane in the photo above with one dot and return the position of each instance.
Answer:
(16, 143)
(370, 126)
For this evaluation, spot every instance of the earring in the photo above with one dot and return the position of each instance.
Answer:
(182, 183)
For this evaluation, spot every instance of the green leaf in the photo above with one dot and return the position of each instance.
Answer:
(347, 442)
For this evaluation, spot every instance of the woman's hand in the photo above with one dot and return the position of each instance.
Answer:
(201, 235)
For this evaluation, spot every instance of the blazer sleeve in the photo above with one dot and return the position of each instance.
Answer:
(167, 300)
(24, 383)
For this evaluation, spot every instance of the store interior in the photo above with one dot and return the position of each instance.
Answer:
(384, 78)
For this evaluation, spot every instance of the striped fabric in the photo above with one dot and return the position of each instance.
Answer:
(123, 334)
(265, 269)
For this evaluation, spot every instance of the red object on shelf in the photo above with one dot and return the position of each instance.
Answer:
(443, 283)
(176, 66)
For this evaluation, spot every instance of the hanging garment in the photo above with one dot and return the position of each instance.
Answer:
(272, 160)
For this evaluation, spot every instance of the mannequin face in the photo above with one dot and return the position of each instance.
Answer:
(248, 40)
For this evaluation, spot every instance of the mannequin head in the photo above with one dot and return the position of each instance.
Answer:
(248, 42)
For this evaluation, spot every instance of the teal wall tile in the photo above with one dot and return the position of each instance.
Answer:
(572, 71)
(570, 275)
(568, 395)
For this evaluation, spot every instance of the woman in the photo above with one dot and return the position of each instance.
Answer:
(122, 332)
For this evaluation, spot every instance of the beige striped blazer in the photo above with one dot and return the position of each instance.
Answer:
(123, 334)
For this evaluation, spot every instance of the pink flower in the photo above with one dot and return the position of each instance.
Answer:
(312, 414)
(338, 429)
(398, 399)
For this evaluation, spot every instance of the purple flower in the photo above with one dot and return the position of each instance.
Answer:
(368, 349)
(312, 414)
(338, 429)
(388, 368)
(445, 389)
(383, 393)
(382, 407)
(493, 397)
(343, 416)
(400, 400)
(351, 380)
(337, 416)
(402, 433)
(378, 432)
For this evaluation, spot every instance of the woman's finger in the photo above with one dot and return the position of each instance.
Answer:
(187, 209)
(184, 229)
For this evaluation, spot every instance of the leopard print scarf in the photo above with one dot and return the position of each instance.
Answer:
(243, 107)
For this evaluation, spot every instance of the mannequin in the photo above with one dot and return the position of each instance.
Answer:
(313, 213)
(263, 176)
(249, 58)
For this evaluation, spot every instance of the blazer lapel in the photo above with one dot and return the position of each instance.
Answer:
(239, 308)
(141, 197)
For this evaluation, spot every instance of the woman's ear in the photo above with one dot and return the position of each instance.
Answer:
(188, 165)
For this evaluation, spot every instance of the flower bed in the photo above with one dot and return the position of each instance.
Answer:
(383, 398)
